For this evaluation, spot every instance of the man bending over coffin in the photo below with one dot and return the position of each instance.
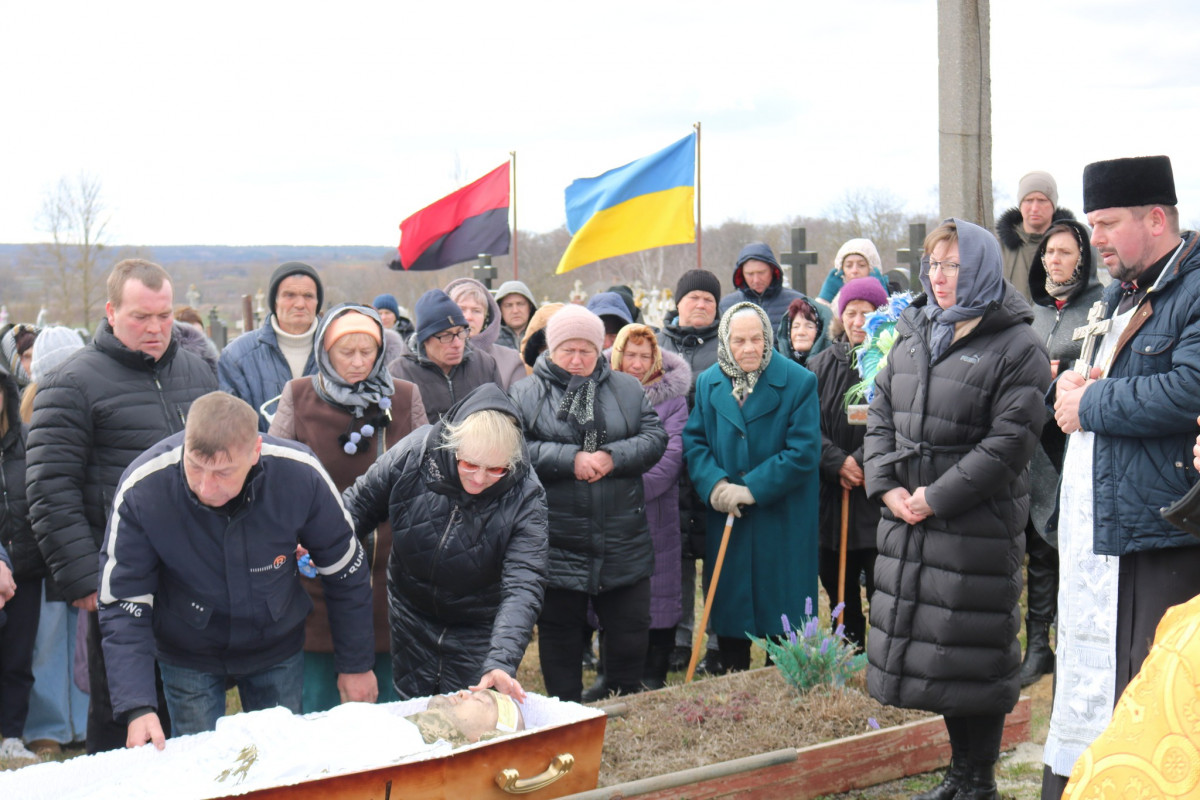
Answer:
(198, 570)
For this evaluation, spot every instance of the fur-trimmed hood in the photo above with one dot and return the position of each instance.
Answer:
(1008, 225)
(676, 379)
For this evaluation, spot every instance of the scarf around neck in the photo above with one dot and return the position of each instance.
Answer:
(743, 382)
(578, 407)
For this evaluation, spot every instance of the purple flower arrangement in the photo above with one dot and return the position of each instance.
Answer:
(809, 656)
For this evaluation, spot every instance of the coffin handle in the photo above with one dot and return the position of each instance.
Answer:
(510, 780)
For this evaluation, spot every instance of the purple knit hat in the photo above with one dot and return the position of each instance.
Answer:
(868, 288)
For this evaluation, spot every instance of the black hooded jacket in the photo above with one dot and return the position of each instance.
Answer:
(467, 572)
(775, 299)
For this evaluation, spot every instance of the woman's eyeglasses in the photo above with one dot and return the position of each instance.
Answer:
(492, 472)
(947, 268)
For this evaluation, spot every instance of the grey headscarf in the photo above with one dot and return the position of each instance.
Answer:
(331, 387)
(980, 283)
(743, 382)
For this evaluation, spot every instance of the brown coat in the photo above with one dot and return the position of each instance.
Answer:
(304, 417)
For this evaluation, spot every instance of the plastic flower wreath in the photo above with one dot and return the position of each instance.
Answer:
(871, 355)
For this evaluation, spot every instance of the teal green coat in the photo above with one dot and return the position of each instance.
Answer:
(772, 445)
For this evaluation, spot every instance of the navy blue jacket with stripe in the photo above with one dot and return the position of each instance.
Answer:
(219, 591)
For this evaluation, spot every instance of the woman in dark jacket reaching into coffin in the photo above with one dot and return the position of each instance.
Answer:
(592, 434)
(468, 563)
(349, 413)
(956, 416)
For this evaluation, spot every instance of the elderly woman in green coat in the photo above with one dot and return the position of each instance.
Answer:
(753, 442)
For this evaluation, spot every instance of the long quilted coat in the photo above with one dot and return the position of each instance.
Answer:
(945, 614)
(467, 572)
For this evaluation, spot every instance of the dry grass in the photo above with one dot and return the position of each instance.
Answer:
(730, 717)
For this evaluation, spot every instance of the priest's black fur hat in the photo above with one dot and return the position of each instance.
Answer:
(1127, 182)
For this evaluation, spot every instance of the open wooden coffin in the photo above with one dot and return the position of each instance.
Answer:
(558, 754)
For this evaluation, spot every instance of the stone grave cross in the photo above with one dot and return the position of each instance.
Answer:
(798, 259)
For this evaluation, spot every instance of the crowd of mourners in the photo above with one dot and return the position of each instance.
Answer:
(347, 504)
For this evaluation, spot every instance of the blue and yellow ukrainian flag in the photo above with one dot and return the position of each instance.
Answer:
(646, 203)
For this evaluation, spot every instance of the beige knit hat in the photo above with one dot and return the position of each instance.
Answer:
(1038, 181)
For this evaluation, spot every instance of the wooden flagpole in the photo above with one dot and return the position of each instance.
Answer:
(699, 227)
(513, 195)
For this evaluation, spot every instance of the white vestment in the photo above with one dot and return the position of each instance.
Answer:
(1085, 665)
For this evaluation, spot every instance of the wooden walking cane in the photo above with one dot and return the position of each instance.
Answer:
(712, 590)
(842, 554)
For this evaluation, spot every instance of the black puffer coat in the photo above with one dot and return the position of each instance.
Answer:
(16, 534)
(698, 347)
(467, 572)
(599, 537)
(92, 417)
(945, 614)
(840, 439)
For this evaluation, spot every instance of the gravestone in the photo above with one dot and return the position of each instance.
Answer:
(908, 270)
(798, 259)
(484, 272)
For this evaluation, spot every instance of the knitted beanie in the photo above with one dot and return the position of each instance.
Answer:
(698, 280)
(51, 348)
(436, 312)
(868, 288)
(573, 321)
(386, 301)
(351, 322)
(286, 271)
(1038, 181)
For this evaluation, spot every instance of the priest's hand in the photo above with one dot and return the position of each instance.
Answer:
(358, 687)
(897, 501)
(1069, 391)
(145, 728)
(1196, 450)
(502, 682)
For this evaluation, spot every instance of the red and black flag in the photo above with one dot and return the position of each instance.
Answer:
(458, 227)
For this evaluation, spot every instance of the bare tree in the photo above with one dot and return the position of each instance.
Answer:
(75, 217)
(874, 214)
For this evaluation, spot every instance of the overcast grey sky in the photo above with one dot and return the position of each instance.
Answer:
(318, 123)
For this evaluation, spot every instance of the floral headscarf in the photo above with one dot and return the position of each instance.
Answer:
(743, 382)
(618, 351)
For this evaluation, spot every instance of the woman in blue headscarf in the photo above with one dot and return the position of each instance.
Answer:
(956, 416)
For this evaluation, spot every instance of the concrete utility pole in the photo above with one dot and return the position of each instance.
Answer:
(965, 110)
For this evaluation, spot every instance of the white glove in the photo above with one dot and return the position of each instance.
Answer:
(739, 496)
(718, 499)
